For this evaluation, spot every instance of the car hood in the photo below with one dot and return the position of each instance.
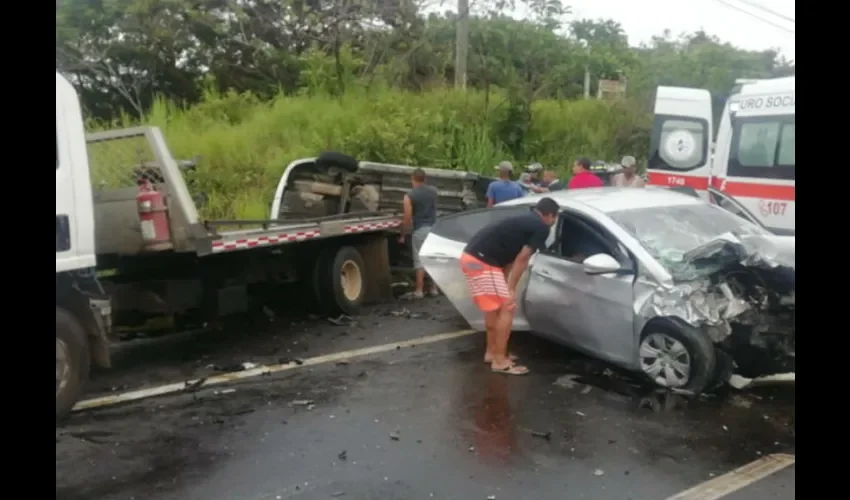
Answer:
(707, 287)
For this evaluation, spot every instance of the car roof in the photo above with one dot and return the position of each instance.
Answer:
(612, 199)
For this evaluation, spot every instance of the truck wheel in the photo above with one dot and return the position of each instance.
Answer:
(72, 362)
(342, 281)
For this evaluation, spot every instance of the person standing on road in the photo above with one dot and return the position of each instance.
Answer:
(582, 176)
(628, 177)
(493, 261)
(550, 183)
(531, 177)
(420, 213)
(503, 189)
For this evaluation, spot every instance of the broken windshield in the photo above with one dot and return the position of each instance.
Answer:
(668, 233)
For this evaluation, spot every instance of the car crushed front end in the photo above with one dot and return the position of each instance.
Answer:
(741, 292)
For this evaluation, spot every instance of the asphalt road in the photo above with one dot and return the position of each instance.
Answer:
(423, 422)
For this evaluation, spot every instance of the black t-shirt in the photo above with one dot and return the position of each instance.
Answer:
(499, 243)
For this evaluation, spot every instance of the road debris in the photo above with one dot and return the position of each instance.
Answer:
(224, 391)
(542, 435)
(740, 383)
(343, 455)
(567, 381)
(301, 402)
(599, 472)
(342, 320)
(395, 435)
(194, 386)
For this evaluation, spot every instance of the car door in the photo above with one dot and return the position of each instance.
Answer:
(592, 313)
(441, 251)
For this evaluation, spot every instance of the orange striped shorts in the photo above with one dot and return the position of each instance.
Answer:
(487, 284)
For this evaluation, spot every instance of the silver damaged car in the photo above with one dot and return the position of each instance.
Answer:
(651, 280)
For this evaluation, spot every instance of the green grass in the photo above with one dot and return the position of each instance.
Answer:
(245, 144)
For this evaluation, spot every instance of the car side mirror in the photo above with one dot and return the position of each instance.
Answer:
(601, 263)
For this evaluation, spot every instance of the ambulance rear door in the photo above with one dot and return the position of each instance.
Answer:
(680, 145)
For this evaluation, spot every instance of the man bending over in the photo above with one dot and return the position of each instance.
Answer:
(493, 262)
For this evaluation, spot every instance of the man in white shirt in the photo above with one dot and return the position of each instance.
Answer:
(628, 177)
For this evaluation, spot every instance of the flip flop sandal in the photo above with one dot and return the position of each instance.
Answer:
(511, 358)
(511, 370)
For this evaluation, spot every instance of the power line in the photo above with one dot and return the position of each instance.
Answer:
(765, 9)
(767, 21)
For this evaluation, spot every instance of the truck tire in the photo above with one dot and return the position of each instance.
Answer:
(73, 362)
(341, 281)
(329, 159)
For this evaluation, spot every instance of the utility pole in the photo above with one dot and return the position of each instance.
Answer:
(461, 43)
(586, 69)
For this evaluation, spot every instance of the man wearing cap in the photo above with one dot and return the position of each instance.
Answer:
(530, 179)
(628, 177)
(582, 176)
(503, 189)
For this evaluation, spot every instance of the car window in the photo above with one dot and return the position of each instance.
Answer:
(678, 143)
(668, 233)
(462, 226)
(764, 147)
(725, 202)
(582, 237)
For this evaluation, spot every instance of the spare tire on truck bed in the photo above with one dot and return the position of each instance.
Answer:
(339, 160)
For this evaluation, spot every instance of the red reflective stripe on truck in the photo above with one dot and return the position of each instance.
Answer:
(676, 180)
(754, 190)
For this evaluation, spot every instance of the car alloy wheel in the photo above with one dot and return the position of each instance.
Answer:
(665, 360)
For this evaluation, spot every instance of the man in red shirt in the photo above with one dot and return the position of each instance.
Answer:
(582, 176)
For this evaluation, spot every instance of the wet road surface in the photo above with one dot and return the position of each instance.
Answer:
(424, 422)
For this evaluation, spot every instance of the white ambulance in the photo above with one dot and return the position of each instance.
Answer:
(752, 164)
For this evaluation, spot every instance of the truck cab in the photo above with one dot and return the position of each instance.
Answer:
(74, 206)
(83, 310)
(753, 158)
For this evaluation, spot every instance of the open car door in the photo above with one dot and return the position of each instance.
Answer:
(440, 255)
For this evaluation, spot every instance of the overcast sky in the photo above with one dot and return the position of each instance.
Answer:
(644, 18)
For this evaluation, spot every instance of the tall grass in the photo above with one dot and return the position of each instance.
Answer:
(245, 144)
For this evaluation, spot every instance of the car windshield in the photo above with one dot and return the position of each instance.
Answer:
(668, 233)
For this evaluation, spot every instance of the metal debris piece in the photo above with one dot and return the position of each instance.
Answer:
(301, 402)
(343, 455)
(542, 435)
(194, 386)
(342, 320)
(567, 381)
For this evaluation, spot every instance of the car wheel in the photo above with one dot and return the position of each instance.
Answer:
(724, 369)
(678, 356)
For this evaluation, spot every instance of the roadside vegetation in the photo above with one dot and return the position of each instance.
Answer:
(291, 79)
